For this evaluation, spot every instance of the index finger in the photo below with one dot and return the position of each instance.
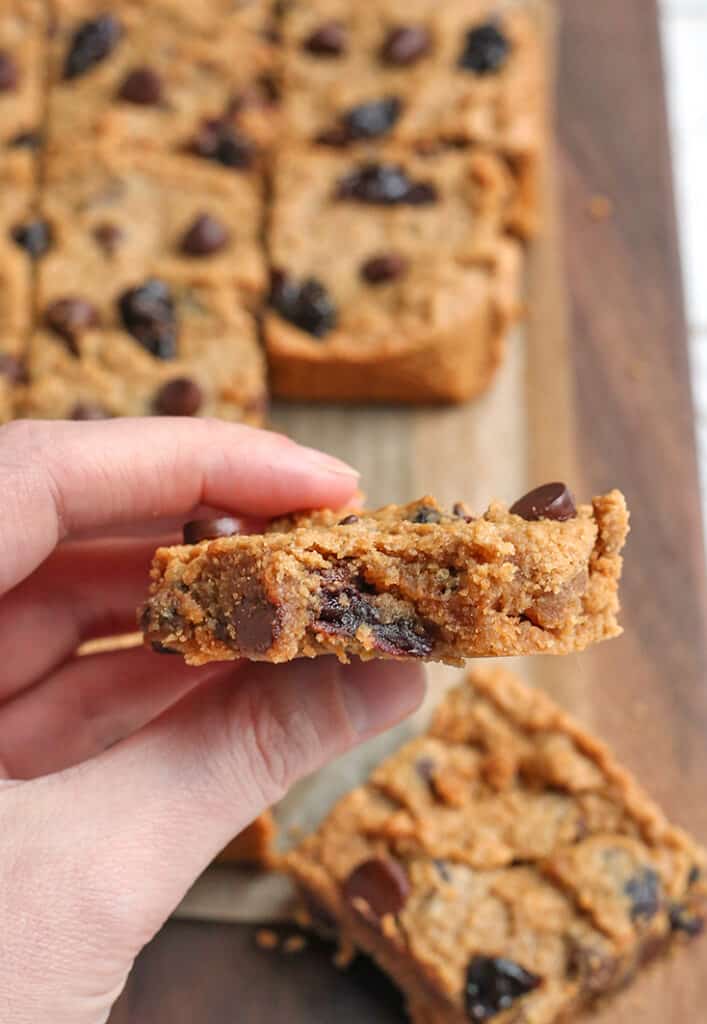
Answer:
(59, 479)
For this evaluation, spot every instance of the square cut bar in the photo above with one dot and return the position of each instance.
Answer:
(422, 73)
(404, 582)
(502, 866)
(406, 289)
(160, 75)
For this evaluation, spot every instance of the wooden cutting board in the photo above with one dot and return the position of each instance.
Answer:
(605, 400)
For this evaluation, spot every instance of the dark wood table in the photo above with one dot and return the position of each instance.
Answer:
(633, 422)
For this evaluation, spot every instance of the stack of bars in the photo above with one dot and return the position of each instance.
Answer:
(349, 183)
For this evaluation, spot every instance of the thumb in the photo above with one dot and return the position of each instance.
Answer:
(108, 849)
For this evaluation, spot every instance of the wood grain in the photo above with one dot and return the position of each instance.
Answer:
(609, 402)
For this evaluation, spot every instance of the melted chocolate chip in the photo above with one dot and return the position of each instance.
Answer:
(141, 86)
(485, 50)
(89, 411)
(209, 529)
(425, 514)
(348, 520)
(179, 397)
(109, 236)
(307, 305)
(405, 44)
(682, 920)
(329, 40)
(26, 140)
(148, 314)
(12, 369)
(493, 984)
(643, 890)
(205, 235)
(551, 501)
(9, 72)
(35, 237)
(381, 884)
(69, 318)
(255, 620)
(218, 140)
(381, 269)
(385, 184)
(93, 41)
(371, 120)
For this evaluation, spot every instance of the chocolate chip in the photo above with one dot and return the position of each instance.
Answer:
(551, 501)
(461, 511)
(148, 314)
(643, 890)
(329, 40)
(694, 875)
(209, 529)
(26, 140)
(381, 269)
(204, 236)
(93, 41)
(381, 884)
(159, 648)
(370, 120)
(425, 514)
(179, 397)
(385, 184)
(109, 236)
(442, 868)
(493, 984)
(9, 72)
(405, 44)
(69, 318)
(89, 411)
(307, 305)
(35, 237)
(485, 50)
(219, 141)
(141, 86)
(682, 920)
(348, 520)
(12, 369)
(254, 623)
(425, 768)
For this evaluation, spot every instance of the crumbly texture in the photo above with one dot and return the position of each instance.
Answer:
(22, 26)
(503, 865)
(404, 582)
(190, 48)
(434, 328)
(254, 846)
(438, 100)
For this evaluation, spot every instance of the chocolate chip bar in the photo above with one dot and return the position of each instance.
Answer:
(406, 582)
(503, 866)
(419, 72)
(416, 305)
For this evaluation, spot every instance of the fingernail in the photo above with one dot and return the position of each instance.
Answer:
(378, 694)
(327, 463)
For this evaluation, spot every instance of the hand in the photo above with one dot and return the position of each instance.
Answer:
(125, 773)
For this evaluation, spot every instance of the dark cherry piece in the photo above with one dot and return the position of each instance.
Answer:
(219, 141)
(35, 237)
(381, 884)
(93, 41)
(307, 305)
(12, 369)
(329, 40)
(485, 50)
(9, 72)
(141, 86)
(89, 411)
(384, 184)
(69, 318)
(109, 236)
(209, 529)
(371, 120)
(179, 397)
(551, 501)
(493, 984)
(381, 269)
(348, 520)
(204, 236)
(405, 44)
(644, 893)
(148, 314)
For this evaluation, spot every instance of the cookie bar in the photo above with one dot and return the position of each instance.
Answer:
(419, 72)
(409, 581)
(406, 288)
(22, 25)
(179, 77)
(166, 346)
(503, 866)
(254, 845)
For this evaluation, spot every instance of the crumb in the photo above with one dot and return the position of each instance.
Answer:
(265, 938)
(600, 208)
(344, 954)
(294, 944)
(302, 917)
